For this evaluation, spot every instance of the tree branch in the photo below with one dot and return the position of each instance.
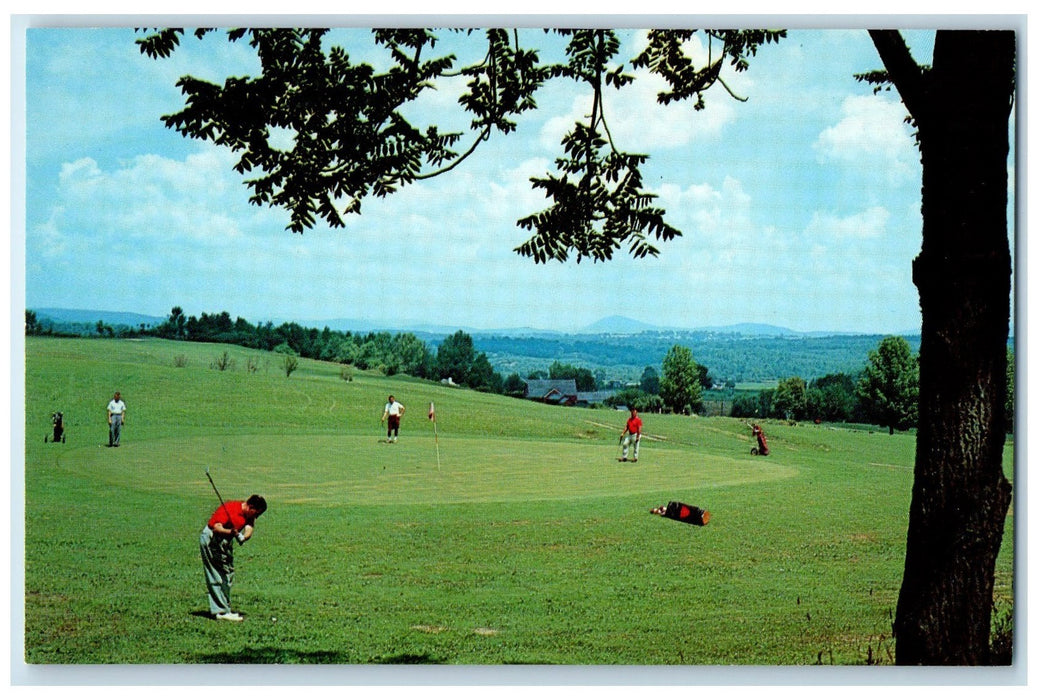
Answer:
(904, 72)
(483, 136)
(729, 90)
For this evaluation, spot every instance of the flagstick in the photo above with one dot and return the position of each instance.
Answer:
(436, 433)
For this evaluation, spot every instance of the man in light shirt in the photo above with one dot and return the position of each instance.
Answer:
(393, 411)
(116, 419)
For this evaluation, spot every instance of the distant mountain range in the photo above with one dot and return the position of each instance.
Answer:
(111, 318)
(610, 325)
(624, 325)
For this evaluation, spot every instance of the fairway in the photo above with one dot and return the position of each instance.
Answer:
(526, 542)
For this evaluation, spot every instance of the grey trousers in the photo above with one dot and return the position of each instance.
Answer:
(115, 430)
(218, 565)
(628, 439)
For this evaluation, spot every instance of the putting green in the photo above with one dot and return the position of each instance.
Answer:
(334, 470)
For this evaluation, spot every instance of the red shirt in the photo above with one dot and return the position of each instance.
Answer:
(634, 426)
(231, 517)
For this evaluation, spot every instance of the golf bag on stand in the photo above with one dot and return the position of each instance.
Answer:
(762, 442)
(58, 422)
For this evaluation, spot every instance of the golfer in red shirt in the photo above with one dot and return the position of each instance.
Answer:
(231, 521)
(632, 433)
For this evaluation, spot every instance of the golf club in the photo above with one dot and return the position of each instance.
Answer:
(215, 489)
(237, 535)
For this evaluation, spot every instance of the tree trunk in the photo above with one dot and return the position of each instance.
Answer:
(960, 496)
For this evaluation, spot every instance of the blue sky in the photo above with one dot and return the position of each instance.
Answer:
(799, 207)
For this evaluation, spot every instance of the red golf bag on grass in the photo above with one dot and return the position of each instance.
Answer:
(682, 512)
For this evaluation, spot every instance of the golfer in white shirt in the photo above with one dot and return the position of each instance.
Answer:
(116, 418)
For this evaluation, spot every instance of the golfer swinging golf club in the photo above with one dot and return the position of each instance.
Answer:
(232, 521)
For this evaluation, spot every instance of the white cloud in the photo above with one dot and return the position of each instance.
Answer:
(467, 217)
(147, 231)
(79, 172)
(713, 217)
(871, 223)
(516, 189)
(638, 123)
(872, 139)
(198, 199)
(50, 241)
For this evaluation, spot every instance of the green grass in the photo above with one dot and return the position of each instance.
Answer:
(526, 542)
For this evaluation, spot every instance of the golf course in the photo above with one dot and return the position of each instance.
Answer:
(505, 532)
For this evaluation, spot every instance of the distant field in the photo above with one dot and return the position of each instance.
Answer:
(509, 535)
(756, 386)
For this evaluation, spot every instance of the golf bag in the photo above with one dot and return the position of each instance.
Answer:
(58, 421)
(762, 442)
(683, 512)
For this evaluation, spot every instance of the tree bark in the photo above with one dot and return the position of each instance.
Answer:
(960, 496)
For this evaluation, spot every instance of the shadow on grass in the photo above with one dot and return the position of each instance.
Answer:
(272, 655)
(406, 659)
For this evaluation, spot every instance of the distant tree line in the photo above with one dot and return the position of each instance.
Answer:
(584, 377)
(679, 390)
(72, 329)
(832, 398)
(455, 358)
(32, 324)
(734, 358)
(389, 353)
(884, 393)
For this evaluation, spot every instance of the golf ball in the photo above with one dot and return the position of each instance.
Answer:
(273, 619)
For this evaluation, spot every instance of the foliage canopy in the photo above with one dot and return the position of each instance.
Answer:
(350, 138)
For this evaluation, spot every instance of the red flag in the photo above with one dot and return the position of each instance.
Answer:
(432, 412)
